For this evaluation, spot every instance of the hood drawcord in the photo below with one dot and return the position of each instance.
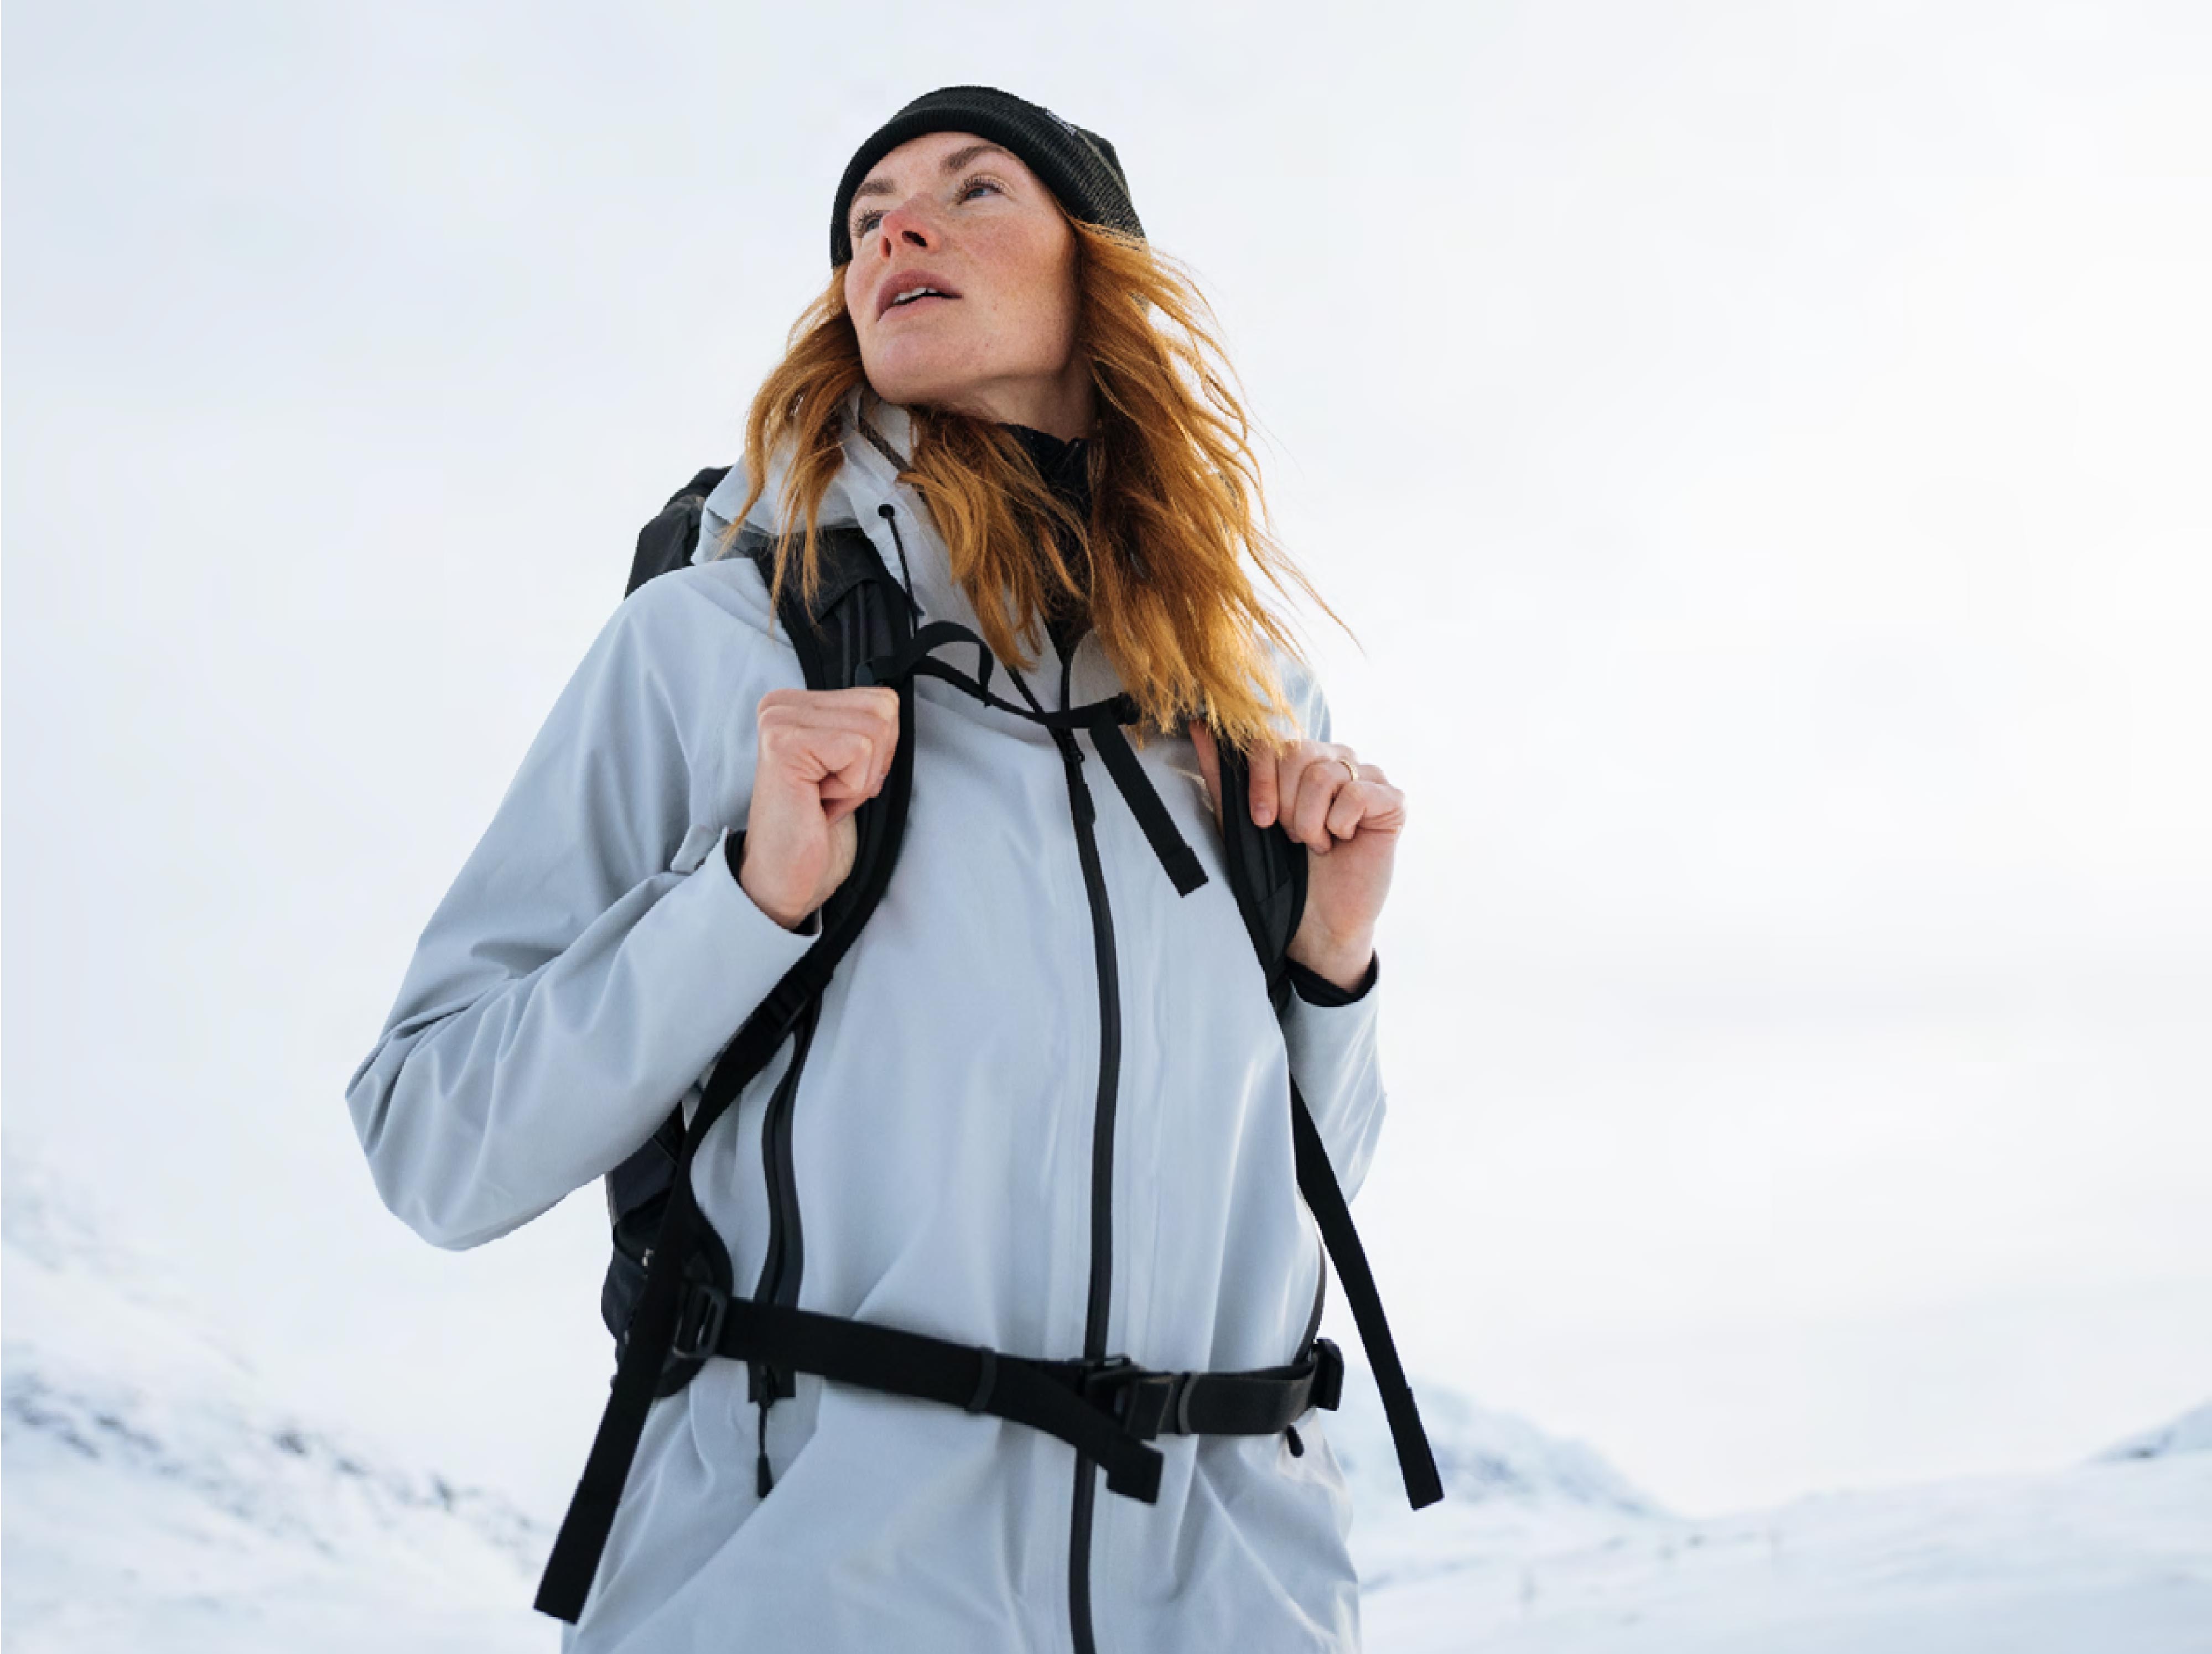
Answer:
(906, 576)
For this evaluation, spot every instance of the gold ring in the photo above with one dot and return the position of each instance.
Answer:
(1348, 768)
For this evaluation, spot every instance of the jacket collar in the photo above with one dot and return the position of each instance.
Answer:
(878, 436)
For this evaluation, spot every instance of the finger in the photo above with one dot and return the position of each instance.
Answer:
(1290, 777)
(1381, 807)
(833, 764)
(794, 715)
(1209, 763)
(865, 695)
(879, 708)
(884, 704)
(1265, 766)
(1321, 778)
(848, 757)
(799, 709)
(1347, 809)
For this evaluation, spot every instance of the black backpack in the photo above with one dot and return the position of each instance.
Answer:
(669, 1298)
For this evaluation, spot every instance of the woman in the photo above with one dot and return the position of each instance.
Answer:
(1044, 1109)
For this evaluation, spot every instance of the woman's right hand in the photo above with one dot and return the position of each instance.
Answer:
(823, 753)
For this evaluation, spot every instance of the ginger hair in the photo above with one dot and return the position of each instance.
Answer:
(1165, 567)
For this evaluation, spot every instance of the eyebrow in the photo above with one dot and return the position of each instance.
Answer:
(952, 163)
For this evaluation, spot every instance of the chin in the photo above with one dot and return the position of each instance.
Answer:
(949, 373)
(914, 379)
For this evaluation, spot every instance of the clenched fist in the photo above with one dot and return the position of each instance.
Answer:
(1348, 816)
(823, 753)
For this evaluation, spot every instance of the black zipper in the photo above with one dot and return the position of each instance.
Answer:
(1100, 1297)
(1102, 1172)
(785, 1258)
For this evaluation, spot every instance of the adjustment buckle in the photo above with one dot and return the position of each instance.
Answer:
(698, 1321)
(1142, 1401)
(1328, 1376)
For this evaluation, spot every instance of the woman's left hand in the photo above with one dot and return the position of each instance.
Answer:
(1348, 816)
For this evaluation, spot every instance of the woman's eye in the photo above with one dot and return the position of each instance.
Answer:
(866, 222)
(975, 184)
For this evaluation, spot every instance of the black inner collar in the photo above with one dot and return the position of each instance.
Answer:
(1064, 462)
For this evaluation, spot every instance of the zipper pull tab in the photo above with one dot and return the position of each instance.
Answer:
(1079, 791)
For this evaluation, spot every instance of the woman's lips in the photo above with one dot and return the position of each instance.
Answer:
(907, 282)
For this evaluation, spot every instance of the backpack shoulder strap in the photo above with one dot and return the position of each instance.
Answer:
(859, 616)
(1267, 868)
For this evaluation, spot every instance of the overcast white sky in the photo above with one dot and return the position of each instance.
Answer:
(1761, 447)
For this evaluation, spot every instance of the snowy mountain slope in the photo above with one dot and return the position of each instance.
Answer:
(2190, 1433)
(2111, 1556)
(157, 1497)
(1510, 1489)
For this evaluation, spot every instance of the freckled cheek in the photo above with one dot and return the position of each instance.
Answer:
(864, 327)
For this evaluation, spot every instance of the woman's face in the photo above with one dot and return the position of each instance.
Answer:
(962, 286)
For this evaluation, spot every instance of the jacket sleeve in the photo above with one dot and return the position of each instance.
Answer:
(574, 982)
(1330, 1033)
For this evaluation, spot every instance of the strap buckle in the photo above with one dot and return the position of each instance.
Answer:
(1328, 1377)
(1140, 1401)
(698, 1321)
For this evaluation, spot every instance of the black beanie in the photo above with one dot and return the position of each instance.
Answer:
(1080, 168)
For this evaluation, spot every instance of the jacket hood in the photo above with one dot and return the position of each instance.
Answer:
(867, 493)
(878, 435)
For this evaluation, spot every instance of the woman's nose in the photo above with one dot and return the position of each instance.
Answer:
(908, 223)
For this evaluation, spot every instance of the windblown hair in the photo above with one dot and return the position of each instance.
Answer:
(1163, 570)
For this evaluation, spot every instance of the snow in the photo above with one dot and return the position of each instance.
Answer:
(1510, 1489)
(2190, 1433)
(159, 1498)
(2111, 1555)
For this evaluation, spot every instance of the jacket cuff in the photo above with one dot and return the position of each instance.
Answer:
(733, 857)
(1330, 1036)
(1317, 989)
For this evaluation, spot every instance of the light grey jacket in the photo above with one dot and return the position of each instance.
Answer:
(594, 954)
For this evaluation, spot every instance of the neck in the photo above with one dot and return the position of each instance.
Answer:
(1062, 405)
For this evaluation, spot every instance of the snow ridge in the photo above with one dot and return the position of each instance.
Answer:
(1483, 1455)
(158, 1496)
(2190, 1433)
(1509, 1487)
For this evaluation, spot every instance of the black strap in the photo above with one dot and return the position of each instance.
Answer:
(639, 1375)
(916, 659)
(1103, 718)
(1267, 870)
(1258, 1402)
(1317, 1182)
(1106, 1410)
(1175, 856)
(645, 1365)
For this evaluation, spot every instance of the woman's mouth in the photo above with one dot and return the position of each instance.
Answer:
(907, 292)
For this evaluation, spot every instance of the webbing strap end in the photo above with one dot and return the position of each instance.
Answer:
(575, 1560)
(1134, 1473)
